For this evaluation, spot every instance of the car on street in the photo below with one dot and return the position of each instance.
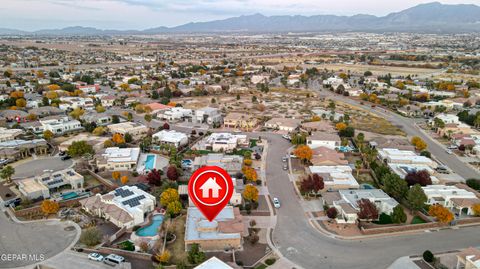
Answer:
(62, 153)
(286, 137)
(449, 151)
(95, 257)
(284, 159)
(452, 147)
(66, 157)
(285, 167)
(276, 202)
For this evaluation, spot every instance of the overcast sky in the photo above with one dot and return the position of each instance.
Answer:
(142, 14)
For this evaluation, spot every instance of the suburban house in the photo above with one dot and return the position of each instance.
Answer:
(283, 124)
(224, 141)
(446, 118)
(323, 156)
(335, 177)
(215, 263)
(118, 159)
(70, 103)
(467, 259)
(346, 202)
(224, 232)
(170, 137)
(455, 128)
(108, 101)
(381, 142)
(59, 125)
(135, 129)
(241, 121)
(9, 134)
(125, 207)
(157, 108)
(177, 114)
(320, 126)
(321, 139)
(402, 162)
(20, 149)
(208, 115)
(95, 141)
(42, 186)
(101, 119)
(460, 201)
(231, 163)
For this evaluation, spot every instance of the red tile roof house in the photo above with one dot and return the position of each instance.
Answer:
(157, 107)
(326, 156)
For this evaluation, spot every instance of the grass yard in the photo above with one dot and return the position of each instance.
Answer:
(375, 125)
(177, 248)
(417, 220)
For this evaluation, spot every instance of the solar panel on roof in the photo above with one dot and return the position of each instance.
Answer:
(123, 193)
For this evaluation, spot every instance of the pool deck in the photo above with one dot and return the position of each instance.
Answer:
(159, 163)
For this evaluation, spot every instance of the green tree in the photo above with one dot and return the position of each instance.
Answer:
(79, 148)
(7, 173)
(416, 197)
(148, 118)
(128, 138)
(194, 255)
(398, 215)
(395, 186)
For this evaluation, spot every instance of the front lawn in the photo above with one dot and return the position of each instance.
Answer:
(417, 220)
(177, 248)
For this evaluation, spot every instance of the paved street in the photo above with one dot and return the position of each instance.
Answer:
(411, 129)
(32, 167)
(298, 241)
(23, 244)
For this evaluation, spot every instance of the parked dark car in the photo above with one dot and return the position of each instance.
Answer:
(66, 157)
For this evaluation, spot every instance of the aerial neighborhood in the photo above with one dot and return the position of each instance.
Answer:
(331, 142)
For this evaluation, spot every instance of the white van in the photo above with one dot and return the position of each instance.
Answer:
(113, 259)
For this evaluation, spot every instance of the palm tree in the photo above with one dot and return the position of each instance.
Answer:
(7, 173)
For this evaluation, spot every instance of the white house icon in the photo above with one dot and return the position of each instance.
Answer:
(210, 184)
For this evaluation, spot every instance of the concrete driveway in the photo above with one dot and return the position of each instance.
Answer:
(32, 167)
(23, 244)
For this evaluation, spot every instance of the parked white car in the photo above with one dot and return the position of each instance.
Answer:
(95, 257)
(276, 202)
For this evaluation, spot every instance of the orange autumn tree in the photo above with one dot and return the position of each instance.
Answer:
(49, 207)
(53, 87)
(250, 173)
(442, 214)
(118, 139)
(116, 175)
(303, 152)
(341, 126)
(124, 180)
(476, 210)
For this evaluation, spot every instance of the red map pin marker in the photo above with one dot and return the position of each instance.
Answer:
(210, 189)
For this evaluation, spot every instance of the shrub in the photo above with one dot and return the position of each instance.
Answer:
(259, 182)
(270, 261)
(332, 212)
(473, 183)
(384, 219)
(428, 256)
(91, 237)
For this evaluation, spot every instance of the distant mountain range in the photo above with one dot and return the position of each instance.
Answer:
(429, 18)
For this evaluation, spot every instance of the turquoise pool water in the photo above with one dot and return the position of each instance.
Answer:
(152, 229)
(69, 195)
(150, 162)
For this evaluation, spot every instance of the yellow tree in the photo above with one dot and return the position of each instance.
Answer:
(249, 173)
(47, 134)
(442, 214)
(247, 162)
(49, 207)
(20, 102)
(163, 257)
(51, 95)
(108, 143)
(77, 113)
(124, 180)
(168, 196)
(16, 94)
(303, 152)
(100, 130)
(53, 87)
(100, 109)
(116, 175)
(418, 143)
(174, 208)
(250, 193)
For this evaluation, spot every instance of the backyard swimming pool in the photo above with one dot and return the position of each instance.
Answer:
(152, 229)
(69, 195)
(150, 162)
